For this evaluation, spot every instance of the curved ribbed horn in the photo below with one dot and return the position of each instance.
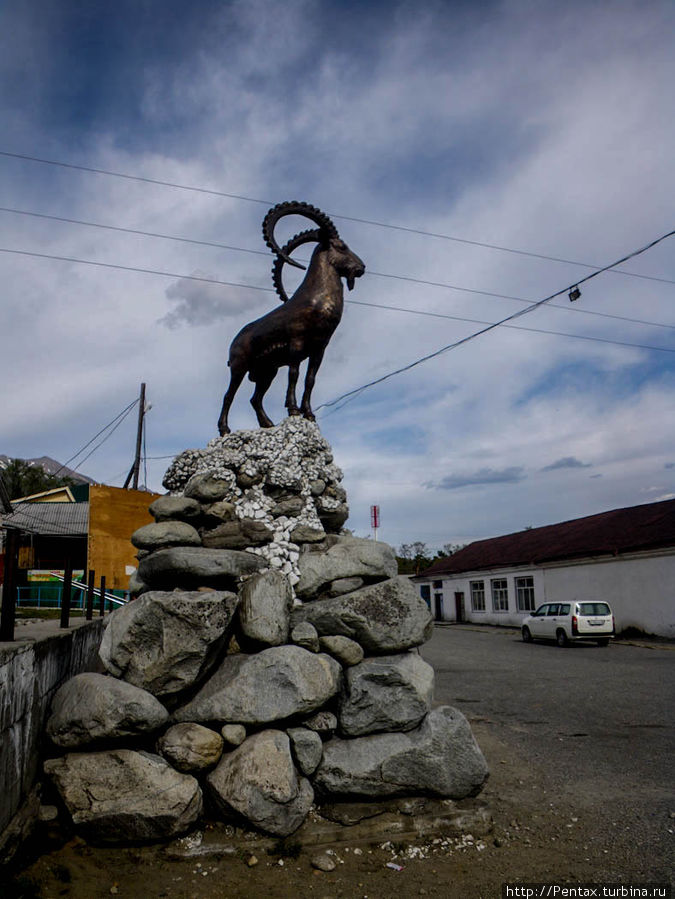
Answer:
(294, 207)
(284, 256)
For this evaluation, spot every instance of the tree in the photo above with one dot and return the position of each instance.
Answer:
(413, 557)
(23, 479)
(449, 549)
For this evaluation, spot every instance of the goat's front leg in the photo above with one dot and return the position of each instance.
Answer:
(310, 378)
(291, 401)
(236, 377)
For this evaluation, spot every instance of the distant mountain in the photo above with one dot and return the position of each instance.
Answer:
(51, 466)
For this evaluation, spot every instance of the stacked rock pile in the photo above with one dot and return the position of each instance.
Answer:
(267, 662)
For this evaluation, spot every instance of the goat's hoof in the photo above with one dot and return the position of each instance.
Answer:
(309, 416)
(294, 411)
(223, 430)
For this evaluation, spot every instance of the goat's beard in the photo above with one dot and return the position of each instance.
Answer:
(350, 282)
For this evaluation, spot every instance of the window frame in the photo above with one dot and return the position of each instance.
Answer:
(499, 594)
(475, 607)
(525, 593)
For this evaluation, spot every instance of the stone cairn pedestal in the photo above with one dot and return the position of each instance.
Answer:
(268, 662)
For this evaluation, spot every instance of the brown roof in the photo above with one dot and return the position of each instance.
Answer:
(649, 526)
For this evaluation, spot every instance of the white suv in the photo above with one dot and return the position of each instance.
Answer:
(567, 622)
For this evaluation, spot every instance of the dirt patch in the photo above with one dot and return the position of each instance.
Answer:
(540, 833)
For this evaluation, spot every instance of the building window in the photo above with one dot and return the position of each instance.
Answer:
(500, 595)
(525, 594)
(477, 596)
(438, 585)
(425, 593)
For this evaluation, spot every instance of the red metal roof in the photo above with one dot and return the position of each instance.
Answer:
(650, 526)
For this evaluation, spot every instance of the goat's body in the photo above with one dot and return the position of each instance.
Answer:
(299, 329)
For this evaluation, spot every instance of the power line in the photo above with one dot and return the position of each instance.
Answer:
(132, 268)
(347, 218)
(107, 437)
(352, 394)
(124, 412)
(222, 246)
(136, 231)
(204, 279)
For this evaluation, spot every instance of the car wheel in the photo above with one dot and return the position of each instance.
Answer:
(604, 642)
(527, 636)
(561, 637)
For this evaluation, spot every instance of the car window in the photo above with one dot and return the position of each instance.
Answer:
(553, 609)
(541, 610)
(564, 609)
(594, 608)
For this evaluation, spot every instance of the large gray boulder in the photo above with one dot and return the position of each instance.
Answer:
(92, 707)
(167, 642)
(384, 618)
(181, 508)
(440, 758)
(272, 685)
(161, 534)
(259, 781)
(122, 796)
(265, 608)
(196, 566)
(386, 693)
(347, 557)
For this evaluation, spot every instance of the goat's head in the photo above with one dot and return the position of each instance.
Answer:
(343, 260)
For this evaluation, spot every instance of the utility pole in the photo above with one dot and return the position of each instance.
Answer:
(135, 468)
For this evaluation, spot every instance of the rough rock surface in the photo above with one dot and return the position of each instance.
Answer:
(124, 796)
(307, 748)
(385, 617)
(346, 651)
(259, 781)
(191, 747)
(386, 693)
(92, 707)
(166, 642)
(196, 566)
(233, 734)
(282, 477)
(271, 685)
(165, 533)
(350, 557)
(440, 758)
(306, 635)
(179, 508)
(265, 608)
(260, 514)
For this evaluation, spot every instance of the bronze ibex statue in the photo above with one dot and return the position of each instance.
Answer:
(302, 327)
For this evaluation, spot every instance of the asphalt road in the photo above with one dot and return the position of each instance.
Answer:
(594, 715)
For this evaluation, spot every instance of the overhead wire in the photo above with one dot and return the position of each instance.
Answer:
(347, 218)
(359, 302)
(124, 412)
(107, 437)
(376, 274)
(340, 401)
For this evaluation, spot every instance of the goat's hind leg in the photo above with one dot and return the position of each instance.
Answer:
(236, 377)
(291, 401)
(262, 383)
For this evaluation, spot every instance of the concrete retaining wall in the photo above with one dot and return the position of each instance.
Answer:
(30, 673)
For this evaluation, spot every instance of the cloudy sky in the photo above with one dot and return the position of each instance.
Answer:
(433, 133)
